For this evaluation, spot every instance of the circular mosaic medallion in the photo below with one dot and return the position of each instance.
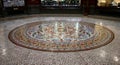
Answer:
(61, 36)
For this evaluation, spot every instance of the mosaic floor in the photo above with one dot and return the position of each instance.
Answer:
(61, 36)
(12, 54)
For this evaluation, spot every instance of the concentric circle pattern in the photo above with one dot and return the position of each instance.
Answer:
(61, 36)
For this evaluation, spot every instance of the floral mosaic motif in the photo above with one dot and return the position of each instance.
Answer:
(61, 36)
(61, 32)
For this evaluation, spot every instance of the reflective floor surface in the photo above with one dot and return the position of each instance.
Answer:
(11, 54)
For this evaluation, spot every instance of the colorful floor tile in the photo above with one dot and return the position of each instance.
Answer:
(61, 36)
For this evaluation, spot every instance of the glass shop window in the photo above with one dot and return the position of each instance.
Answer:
(106, 3)
(60, 2)
(13, 3)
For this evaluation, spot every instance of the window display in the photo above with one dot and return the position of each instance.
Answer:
(60, 2)
(108, 2)
(116, 3)
(13, 3)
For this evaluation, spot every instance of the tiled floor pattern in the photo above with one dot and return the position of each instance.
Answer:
(11, 54)
(61, 36)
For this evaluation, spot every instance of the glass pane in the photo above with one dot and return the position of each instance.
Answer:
(13, 3)
(60, 2)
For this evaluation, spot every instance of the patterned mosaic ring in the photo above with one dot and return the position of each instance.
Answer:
(61, 36)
